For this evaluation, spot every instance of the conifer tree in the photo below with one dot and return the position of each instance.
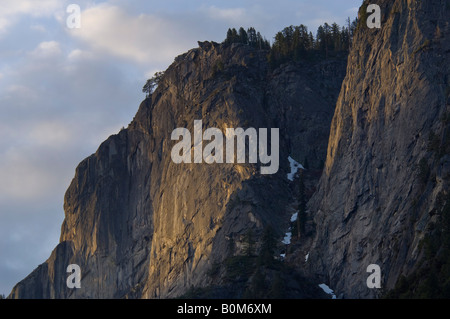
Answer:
(243, 37)
(229, 37)
(249, 242)
(267, 246)
(301, 215)
(152, 83)
(277, 289)
(252, 39)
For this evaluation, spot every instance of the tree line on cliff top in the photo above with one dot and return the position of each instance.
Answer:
(295, 43)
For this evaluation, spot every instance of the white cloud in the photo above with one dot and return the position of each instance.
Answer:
(150, 38)
(38, 28)
(47, 49)
(78, 54)
(231, 15)
(4, 23)
(21, 90)
(31, 7)
(11, 10)
(22, 177)
(109, 29)
(49, 134)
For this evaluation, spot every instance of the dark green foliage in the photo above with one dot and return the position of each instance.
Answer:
(243, 37)
(230, 250)
(301, 216)
(259, 275)
(249, 241)
(257, 287)
(214, 270)
(194, 293)
(292, 43)
(321, 164)
(278, 287)
(268, 246)
(239, 268)
(232, 36)
(152, 83)
(258, 281)
(295, 43)
(306, 163)
(249, 37)
(256, 275)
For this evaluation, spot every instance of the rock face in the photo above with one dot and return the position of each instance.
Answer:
(373, 203)
(141, 226)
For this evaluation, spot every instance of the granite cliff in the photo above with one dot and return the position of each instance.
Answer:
(141, 226)
(386, 177)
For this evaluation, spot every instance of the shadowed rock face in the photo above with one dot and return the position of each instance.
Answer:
(141, 226)
(371, 206)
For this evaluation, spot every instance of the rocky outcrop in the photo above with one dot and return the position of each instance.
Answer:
(379, 191)
(141, 226)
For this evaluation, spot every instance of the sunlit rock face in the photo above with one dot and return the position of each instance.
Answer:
(373, 205)
(140, 225)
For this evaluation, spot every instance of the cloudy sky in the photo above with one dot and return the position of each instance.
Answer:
(63, 91)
